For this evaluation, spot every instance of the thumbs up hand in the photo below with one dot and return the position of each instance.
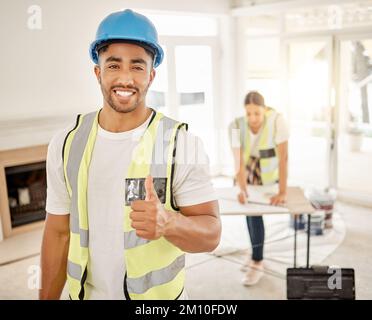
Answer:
(151, 194)
(149, 218)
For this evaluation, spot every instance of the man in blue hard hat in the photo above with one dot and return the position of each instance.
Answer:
(106, 244)
(113, 36)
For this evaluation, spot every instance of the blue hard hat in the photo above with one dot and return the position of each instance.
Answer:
(131, 26)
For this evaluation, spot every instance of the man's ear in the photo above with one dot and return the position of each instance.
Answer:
(97, 71)
(152, 76)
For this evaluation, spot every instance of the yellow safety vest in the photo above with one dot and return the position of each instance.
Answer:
(266, 146)
(155, 269)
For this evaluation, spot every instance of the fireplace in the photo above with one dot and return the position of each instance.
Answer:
(26, 186)
(22, 189)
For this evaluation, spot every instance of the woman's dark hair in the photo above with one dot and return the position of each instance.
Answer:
(254, 97)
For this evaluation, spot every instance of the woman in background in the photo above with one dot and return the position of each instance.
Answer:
(260, 159)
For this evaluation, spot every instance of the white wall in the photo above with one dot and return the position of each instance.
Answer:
(48, 72)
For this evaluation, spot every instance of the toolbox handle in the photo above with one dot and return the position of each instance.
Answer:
(320, 269)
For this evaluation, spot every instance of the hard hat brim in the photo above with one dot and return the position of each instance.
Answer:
(99, 43)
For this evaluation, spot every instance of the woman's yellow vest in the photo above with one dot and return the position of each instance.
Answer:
(266, 146)
(155, 269)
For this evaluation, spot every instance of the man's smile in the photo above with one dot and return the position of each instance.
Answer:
(124, 95)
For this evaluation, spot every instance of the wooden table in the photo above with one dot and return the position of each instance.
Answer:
(259, 204)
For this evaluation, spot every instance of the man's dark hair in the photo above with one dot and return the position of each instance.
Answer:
(102, 47)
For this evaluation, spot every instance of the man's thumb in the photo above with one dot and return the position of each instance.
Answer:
(150, 189)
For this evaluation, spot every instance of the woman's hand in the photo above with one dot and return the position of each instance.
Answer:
(242, 197)
(280, 198)
(241, 180)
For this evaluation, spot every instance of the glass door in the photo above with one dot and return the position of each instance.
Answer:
(308, 103)
(185, 84)
(184, 89)
(194, 86)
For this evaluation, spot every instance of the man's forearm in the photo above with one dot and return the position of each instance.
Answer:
(193, 233)
(53, 266)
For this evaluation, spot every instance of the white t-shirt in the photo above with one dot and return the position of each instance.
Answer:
(281, 134)
(109, 163)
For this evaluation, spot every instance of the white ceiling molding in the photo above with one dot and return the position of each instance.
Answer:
(254, 8)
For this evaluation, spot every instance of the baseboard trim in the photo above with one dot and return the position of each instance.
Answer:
(357, 198)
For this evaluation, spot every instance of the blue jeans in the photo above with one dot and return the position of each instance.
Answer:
(256, 231)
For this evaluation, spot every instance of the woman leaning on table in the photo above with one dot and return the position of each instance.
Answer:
(259, 143)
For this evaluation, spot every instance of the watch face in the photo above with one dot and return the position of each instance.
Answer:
(135, 189)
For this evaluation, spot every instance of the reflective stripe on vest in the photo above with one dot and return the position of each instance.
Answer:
(269, 165)
(155, 269)
(143, 284)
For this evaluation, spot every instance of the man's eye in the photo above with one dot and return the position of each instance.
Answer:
(113, 66)
(138, 68)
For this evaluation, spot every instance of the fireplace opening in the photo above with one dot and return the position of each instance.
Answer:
(26, 192)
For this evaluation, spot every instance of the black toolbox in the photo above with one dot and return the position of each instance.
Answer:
(318, 282)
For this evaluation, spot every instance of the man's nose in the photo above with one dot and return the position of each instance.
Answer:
(126, 77)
